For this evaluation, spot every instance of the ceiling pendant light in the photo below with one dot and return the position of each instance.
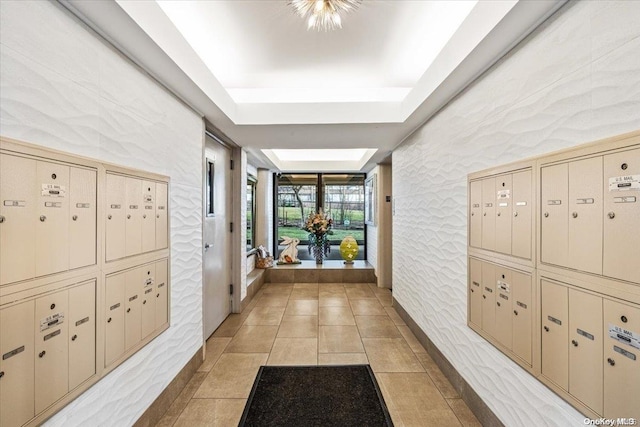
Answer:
(323, 14)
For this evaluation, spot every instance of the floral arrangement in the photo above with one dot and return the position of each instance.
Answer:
(319, 226)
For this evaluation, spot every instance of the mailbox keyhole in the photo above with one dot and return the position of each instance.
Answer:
(503, 184)
(503, 276)
(624, 166)
(54, 176)
(53, 306)
(624, 319)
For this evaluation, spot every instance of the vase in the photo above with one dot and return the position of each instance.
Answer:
(318, 253)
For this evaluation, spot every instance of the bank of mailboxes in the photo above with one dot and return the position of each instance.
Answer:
(48, 349)
(500, 305)
(47, 217)
(580, 333)
(591, 348)
(135, 307)
(500, 213)
(591, 214)
(60, 272)
(136, 220)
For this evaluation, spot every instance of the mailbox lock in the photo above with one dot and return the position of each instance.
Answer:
(157, 216)
(52, 306)
(144, 302)
(75, 337)
(624, 319)
(148, 272)
(472, 290)
(41, 354)
(624, 166)
(128, 309)
(1, 374)
(157, 295)
(484, 296)
(1, 219)
(515, 312)
(574, 342)
(144, 216)
(498, 303)
(498, 213)
(109, 320)
(515, 214)
(575, 214)
(546, 328)
(611, 361)
(546, 214)
(109, 217)
(43, 218)
(473, 213)
(128, 216)
(485, 214)
(611, 215)
(75, 217)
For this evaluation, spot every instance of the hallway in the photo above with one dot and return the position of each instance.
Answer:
(309, 324)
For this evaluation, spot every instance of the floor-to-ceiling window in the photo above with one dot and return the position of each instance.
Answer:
(341, 196)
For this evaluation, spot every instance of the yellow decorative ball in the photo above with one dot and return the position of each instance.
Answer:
(349, 249)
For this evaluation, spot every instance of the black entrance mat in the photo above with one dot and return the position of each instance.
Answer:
(315, 396)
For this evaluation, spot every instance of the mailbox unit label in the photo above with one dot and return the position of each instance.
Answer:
(51, 321)
(624, 336)
(15, 203)
(624, 183)
(624, 352)
(54, 190)
(504, 194)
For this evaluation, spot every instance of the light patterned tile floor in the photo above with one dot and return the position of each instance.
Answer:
(326, 324)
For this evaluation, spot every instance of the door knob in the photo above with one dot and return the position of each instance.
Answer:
(574, 342)
(611, 215)
(75, 217)
(546, 214)
(43, 218)
(611, 361)
(575, 214)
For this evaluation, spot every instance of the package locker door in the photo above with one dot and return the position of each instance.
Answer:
(585, 351)
(521, 224)
(52, 228)
(148, 216)
(475, 291)
(162, 212)
(82, 227)
(17, 218)
(133, 307)
(522, 317)
(162, 293)
(585, 218)
(133, 209)
(489, 214)
(488, 298)
(16, 364)
(475, 214)
(52, 349)
(115, 220)
(555, 333)
(554, 208)
(622, 215)
(504, 203)
(621, 360)
(148, 292)
(114, 312)
(82, 333)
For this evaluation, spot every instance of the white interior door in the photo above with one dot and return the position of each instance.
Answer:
(216, 238)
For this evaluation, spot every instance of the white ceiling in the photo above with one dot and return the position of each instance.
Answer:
(266, 82)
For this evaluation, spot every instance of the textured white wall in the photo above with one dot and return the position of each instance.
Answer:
(64, 88)
(575, 80)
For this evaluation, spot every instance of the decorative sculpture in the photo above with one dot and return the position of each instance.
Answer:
(289, 255)
(349, 249)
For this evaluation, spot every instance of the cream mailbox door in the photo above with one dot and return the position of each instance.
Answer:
(622, 215)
